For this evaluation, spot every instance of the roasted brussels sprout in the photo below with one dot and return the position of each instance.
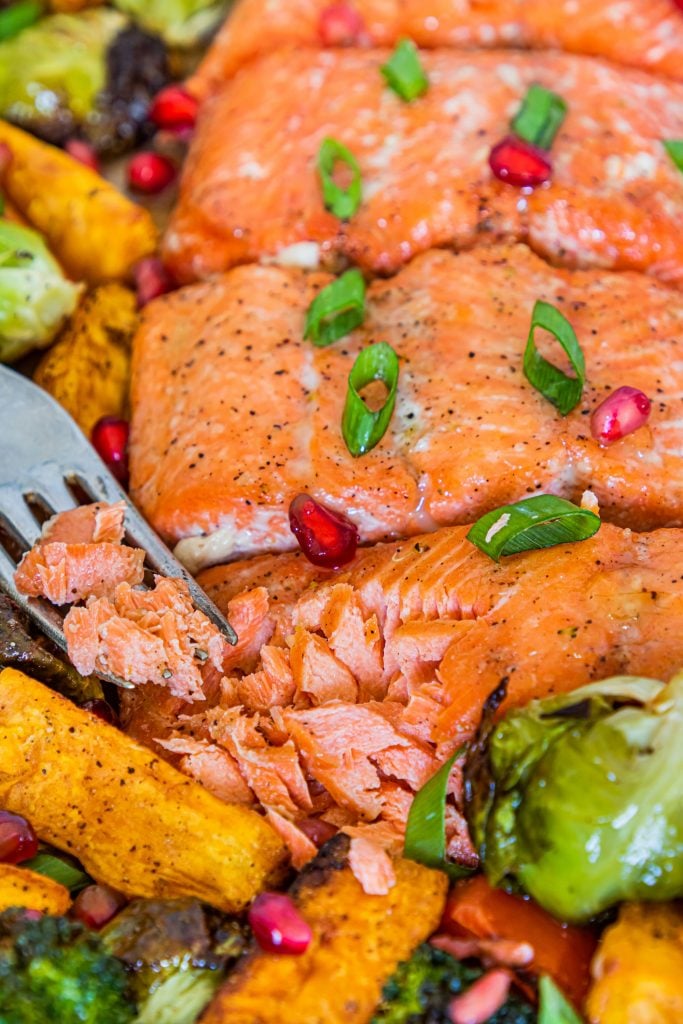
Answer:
(180, 23)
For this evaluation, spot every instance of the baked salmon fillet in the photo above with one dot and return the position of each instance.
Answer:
(250, 188)
(350, 689)
(645, 34)
(234, 413)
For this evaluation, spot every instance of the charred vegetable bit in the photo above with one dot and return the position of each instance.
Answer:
(53, 969)
(89, 73)
(544, 810)
(176, 952)
(421, 991)
(180, 23)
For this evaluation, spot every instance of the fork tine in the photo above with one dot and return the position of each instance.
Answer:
(20, 517)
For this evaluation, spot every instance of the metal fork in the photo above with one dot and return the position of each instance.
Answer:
(46, 466)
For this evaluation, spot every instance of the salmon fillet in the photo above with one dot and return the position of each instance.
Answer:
(231, 420)
(250, 188)
(645, 34)
(427, 628)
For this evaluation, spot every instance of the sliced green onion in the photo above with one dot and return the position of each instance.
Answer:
(674, 148)
(336, 310)
(342, 202)
(63, 871)
(361, 427)
(539, 522)
(563, 391)
(540, 117)
(404, 73)
(425, 840)
(553, 1008)
(16, 18)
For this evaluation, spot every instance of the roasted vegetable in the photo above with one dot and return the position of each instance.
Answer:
(180, 23)
(95, 232)
(176, 952)
(421, 989)
(19, 650)
(88, 368)
(577, 797)
(133, 821)
(358, 941)
(53, 969)
(90, 74)
(35, 297)
(20, 887)
(639, 968)
(476, 909)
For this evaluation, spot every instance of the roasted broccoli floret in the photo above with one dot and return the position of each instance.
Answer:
(577, 798)
(53, 969)
(422, 988)
(177, 952)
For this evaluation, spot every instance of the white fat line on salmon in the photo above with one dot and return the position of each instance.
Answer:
(499, 525)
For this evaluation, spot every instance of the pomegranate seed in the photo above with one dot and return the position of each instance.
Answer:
(317, 830)
(102, 710)
(18, 841)
(622, 412)
(326, 538)
(517, 162)
(679, 3)
(152, 279)
(96, 905)
(84, 153)
(482, 1000)
(341, 25)
(150, 173)
(277, 925)
(173, 107)
(110, 441)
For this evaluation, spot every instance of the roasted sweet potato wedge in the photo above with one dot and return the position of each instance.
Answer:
(96, 233)
(88, 369)
(132, 820)
(358, 941)
(20, 887)
(638, 969)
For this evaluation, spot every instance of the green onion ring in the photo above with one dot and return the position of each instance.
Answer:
(534, 523)
(362, 428)
(404, 72)
(425, 840)
(563, 391)
(540, 117)
(674, 148)
(19, 16)
(342, 202)
(336, 310)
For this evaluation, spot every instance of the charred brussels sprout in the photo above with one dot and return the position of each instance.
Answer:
(89, 74)
(180, 23)
(35, 297)
(577, 798)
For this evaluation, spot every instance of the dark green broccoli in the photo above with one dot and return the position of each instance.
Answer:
(177, 952)
(53, 969)
(421, 989)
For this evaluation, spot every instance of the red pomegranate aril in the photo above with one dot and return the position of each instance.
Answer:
(327, 538)
(152, 279)
(110, 440)
(84, 153)
(277, 925)
(317, 830)
(679, 4)
(102, 710)
(150, 173)
(517, 162)
(341, 25)
(482, 1000)
(173, 107)
(96, 905)
(18, 841)
(625, 410)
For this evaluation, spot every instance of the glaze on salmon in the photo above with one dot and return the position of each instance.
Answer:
(646, 34)
(234, 413)
(250, 188)
(427, 628)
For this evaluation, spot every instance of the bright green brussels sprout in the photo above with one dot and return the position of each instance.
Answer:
(180, 23)
(579, 799)
(35, 297)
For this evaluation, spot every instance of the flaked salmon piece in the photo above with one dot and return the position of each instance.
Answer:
(249, 615)
(87, 524)
(67, 573)
(146, 636)
(301, 848)
(250, 188)
(372, 866)
(646, 34)
(211, 765)
(317, 673)
(468, 433)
